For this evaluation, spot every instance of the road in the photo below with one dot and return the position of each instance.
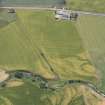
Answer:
(53, 9)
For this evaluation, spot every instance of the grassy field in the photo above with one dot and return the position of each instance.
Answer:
(28, 94)
(11, 96)
(20, 45)
(59, 41)
(87, 5)
(93, 34)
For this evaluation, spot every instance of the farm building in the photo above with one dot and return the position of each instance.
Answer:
(65, 15)
(11, 10)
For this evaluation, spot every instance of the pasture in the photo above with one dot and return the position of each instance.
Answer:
(87, 5)
(92, 32)
(31, 28)
(28, 94)
(23, 95)
(59, 40)
(20, 44)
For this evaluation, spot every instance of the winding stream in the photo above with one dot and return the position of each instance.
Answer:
(43, 82)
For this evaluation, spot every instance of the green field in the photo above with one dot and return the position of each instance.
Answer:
(21, 95)
(20, 44)
(93, 35)
(28, 29)
(59, 41)
(87, 5)
(30, 95)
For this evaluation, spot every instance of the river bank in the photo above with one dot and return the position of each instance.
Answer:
(42, 82)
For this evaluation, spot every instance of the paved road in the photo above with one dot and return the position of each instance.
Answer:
(53, 9)
(90, 13)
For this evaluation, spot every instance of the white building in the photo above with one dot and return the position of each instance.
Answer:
(65, 15)
(62, 14)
